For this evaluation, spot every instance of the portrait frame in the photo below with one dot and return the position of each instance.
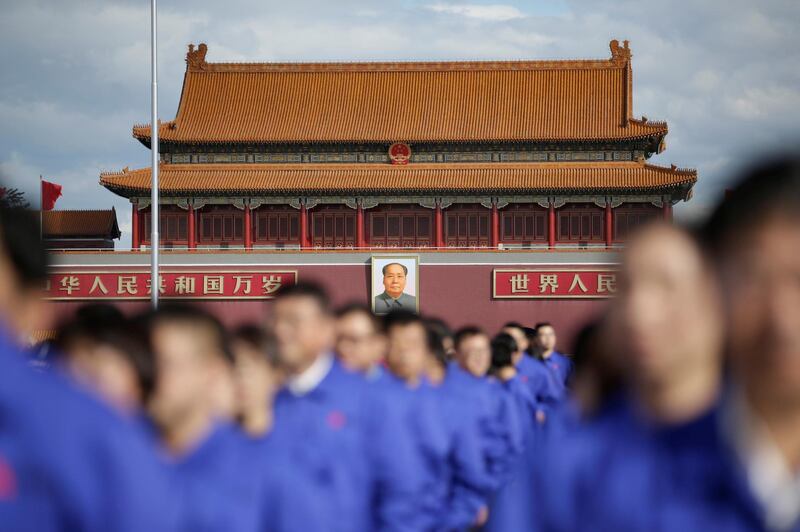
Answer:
(378, 262)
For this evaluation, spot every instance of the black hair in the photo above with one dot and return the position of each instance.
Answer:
(21, 242)
(307, 289)
(404, 318)
(104, 324)
(514, 325)
(177, 313)
(765, 191)
(260, 340)
(544, 324)
(405, 270)
(358, 308)
(503, 348)
(467, 332)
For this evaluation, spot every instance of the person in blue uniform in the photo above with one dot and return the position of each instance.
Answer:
(257, 377)
(446, 434)
(67, 462)
(545, 348)
(211, 462)
(351, 440)
(495, 410)
(650, 460)
(753, 238)
(103, 352)
(514, 505)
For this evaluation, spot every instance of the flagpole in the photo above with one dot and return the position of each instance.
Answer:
(154, 218)
(41, 209)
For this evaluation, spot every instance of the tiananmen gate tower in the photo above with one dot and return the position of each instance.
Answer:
(510, 182)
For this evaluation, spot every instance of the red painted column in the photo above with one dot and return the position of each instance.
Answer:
(551, 226)
(438, 226)
(609, 226)
(303, 226)
(135, 242)
(192, 242)
(495, 225)
(248, 228)
(667, 209)
(360, 242)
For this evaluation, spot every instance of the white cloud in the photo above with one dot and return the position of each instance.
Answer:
(488, 13)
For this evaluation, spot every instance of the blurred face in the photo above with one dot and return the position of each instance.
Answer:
(21, 308)
(475, 354)
(394, 280)
(302, 331)
(666, 318)
(408, 351)
(186, 370)
(358, 345)
(256, 381)
(546, 338)
(522, 341)
(105, 370)
(761, 282)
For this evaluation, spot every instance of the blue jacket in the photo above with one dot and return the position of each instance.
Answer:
(560, 365)
(69, 463)
(619, 473)
(354, 444)
(495, 413)
(219, 483)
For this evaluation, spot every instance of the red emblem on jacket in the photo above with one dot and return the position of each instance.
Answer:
(400, 153)
(336, 420)
(8, 481)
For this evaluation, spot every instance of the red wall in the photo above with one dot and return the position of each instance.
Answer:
(459, 294)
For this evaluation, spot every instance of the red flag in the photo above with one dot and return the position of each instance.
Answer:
(50, 193)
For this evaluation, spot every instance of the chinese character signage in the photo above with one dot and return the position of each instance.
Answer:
(553, 284)
(81, 285)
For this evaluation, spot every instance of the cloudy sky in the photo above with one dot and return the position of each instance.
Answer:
(725, 74)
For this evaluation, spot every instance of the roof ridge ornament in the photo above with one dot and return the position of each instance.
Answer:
(196, 59)
(619, 54)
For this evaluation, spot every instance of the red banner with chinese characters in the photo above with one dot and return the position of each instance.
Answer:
(83, 285)
(553, 283)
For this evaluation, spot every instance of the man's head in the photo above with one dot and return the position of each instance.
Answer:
(303, 325)
(445, 334)
(517, 332)
(545, 337)
(103, 351)
(754, 238)
(411, 345)
(395, 277)
(473, 352)
(503, 348)
(256, 371)
(192, 363)
(665, 319)
(360, 343)
(23, 271)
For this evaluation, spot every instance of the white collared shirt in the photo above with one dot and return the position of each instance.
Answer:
(307, 381)
(771, 479)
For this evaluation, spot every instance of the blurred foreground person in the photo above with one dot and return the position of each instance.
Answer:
(360, 346)
(214, 467)
(66, 461)
(638, 464)
(447, 435)
(101, 350)
(754, 237)
(257, 378)
(332, 423)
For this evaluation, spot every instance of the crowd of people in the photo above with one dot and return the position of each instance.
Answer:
(678, 408)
